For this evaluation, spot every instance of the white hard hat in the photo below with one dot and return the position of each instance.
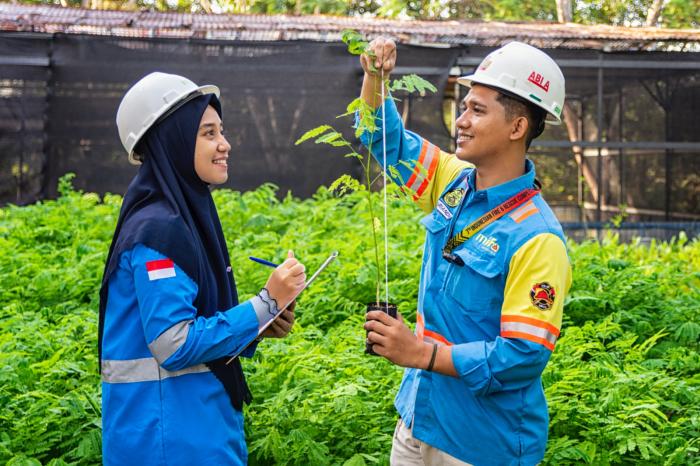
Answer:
(149, 99)
(525, 71)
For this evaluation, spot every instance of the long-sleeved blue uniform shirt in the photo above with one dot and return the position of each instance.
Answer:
(160, 403)
(500, 313)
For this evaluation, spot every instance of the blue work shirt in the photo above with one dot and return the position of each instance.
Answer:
(500, 313)
(161, 405)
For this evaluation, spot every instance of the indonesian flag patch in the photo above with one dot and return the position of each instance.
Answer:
(163, 268)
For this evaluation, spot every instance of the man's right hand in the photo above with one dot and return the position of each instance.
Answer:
(286, 281)
(384, 51)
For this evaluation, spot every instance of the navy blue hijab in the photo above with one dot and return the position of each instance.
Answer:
(168, 208)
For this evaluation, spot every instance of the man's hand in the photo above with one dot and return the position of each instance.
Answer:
(393, 340)
(282, 325)
(384, 51)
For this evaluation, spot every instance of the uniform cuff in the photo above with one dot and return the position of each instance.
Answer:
(265, 307)
(470, 363)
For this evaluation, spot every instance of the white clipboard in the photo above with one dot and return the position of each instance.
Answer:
(318, 271)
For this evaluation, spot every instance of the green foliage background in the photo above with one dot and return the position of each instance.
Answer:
(674, 14)
(622, 384)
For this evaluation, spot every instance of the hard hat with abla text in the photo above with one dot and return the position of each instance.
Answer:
(525, 71)
(154, 96)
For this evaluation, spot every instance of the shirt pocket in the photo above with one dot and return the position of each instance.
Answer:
(435, 223)
(477, 286)
(436, 226)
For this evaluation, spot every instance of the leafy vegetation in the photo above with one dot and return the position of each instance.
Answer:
(365, 122)
(622, 384)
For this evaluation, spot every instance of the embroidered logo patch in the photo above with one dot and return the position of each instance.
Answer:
(542, 296)
(488, 242)
(453, 197)
(444, 211)
(158, 269)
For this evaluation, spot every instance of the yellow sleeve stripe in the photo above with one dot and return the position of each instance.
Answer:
(538, 280)
(538, 331)
(424, 169)
(448, 169)
(443, 169)
(433, 172)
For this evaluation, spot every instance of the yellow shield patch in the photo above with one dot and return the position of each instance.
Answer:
(453, 197)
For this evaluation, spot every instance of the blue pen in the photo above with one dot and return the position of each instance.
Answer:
(263, 262)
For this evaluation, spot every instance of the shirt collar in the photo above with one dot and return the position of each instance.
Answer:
(497, 194)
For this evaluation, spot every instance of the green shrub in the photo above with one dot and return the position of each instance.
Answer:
(622, 384)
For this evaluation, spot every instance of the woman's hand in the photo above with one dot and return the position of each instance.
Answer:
(282, 325)
(286, 281)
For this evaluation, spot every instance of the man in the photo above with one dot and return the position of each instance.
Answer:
(495, 269)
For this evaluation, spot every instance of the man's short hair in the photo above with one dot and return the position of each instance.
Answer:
(515, 106)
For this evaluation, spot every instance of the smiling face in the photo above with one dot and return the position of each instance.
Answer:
(211, 150)
(484, 132)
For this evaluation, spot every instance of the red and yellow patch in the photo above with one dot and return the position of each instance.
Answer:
(542, 296)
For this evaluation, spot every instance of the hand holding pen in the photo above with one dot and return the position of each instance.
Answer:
(287, 280)
(284, 284)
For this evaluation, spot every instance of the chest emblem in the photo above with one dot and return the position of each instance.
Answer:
(453, 197)
(490, 243)
(542, 296)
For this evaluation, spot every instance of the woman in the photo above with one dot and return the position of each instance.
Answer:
(169, 312)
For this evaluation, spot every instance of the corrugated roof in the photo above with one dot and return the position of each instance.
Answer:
(50, 19)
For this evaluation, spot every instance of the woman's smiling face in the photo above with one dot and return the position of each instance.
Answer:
(211, 149)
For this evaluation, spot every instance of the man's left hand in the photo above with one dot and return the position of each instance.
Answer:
(393, 340)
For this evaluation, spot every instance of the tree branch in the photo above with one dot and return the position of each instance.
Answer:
(654, 13)
(564, 12)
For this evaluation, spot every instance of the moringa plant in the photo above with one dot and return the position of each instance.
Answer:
(366, 123)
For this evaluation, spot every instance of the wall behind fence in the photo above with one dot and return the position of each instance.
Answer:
(59, 99)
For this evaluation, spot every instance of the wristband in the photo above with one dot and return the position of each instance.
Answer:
(432, 357)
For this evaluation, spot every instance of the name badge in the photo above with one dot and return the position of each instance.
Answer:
(444, 211)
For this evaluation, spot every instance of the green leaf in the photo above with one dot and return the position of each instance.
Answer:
(354, 41)
(312, 133)
(355, 460)
(23, 461)
(412, 83)
(330, 138)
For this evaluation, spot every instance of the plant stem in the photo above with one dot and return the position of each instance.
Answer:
(371, 214)
(368, 181)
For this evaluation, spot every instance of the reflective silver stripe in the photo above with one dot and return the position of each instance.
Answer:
(530, 330)
(422, 168)
(529, 205)
(142, 370)
(170, 341)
